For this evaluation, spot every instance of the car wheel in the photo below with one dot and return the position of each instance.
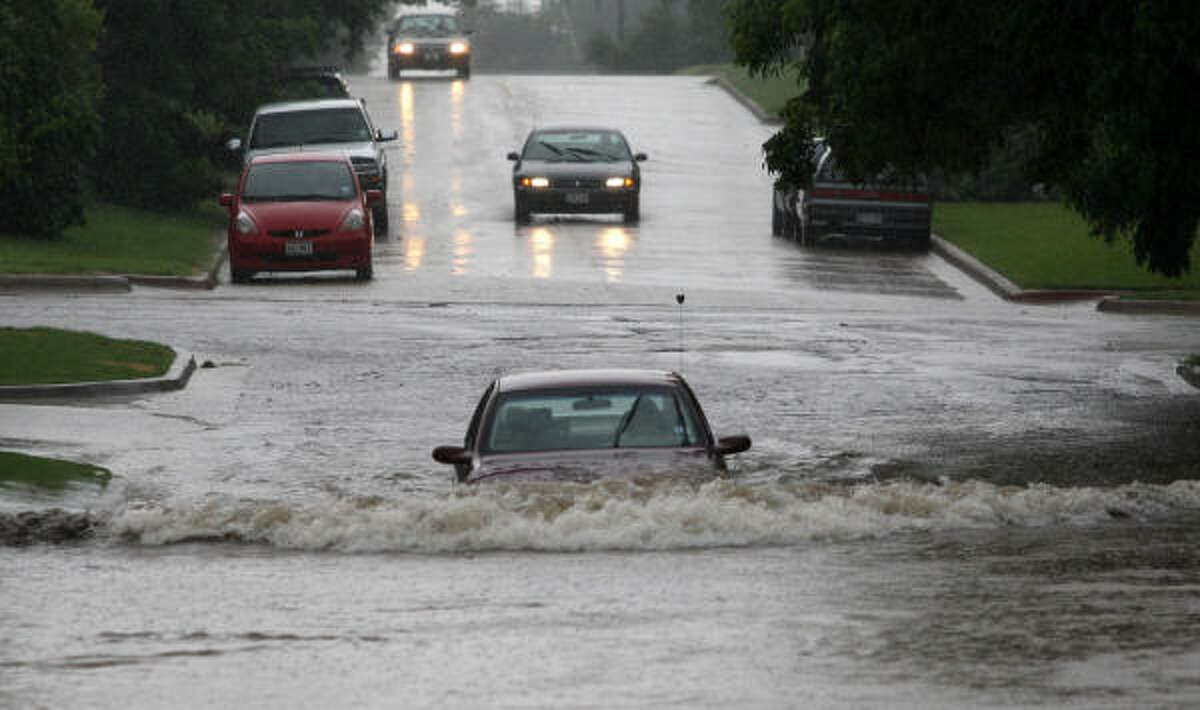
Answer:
(633, 210)
(241, 276)
(393, 71)
(520, 209)
(464, 72)
(365, 273)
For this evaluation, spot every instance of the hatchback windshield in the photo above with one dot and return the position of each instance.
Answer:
(341, 125)
(576, 145)
(299, 181)
(591, 420)
(427, 25)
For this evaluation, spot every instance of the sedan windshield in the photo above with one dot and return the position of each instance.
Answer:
(427, 25)
(299, 181)
(587, 146)
(591, 420)
(341, 125)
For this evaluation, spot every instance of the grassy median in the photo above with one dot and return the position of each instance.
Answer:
(1044, 245)
(48, 474)
(34, 356)
(121, 240)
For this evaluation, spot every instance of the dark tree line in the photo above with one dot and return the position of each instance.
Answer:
(664, 36)
(1099, 95)
(130, 100)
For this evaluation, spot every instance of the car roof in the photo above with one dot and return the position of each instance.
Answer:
(564, 379)
(307, 105)
(571, 128)
(299, 155)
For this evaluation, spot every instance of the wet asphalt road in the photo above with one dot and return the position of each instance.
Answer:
(929, 463)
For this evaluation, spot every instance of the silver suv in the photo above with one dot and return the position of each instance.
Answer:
(338, 125)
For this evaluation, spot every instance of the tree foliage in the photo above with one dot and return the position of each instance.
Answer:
(181, 76)
(49, 93)
(1104, 93)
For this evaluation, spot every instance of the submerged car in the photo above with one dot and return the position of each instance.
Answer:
(428, 41)
(575, 170)
(584, 425)
(836, 211)
(300, 212)
(321, 125)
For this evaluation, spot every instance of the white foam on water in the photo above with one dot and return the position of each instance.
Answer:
(626, 515)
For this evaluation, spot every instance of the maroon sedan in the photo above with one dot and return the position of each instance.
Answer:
(300, 212)
(584, 425)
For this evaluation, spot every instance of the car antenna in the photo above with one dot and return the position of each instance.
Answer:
(679, 299)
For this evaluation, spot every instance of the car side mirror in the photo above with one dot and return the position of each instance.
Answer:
(226, 199)
(383, 135)
(373, 197)
(456, 455)
(729, 445)
(514, 156)
(233, 144)
(639, 157)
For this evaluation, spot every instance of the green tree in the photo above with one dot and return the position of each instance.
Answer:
(182, 76)
(1106, 88)
(49, 126)
(665, 39)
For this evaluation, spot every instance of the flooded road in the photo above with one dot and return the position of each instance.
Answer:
(951, 500)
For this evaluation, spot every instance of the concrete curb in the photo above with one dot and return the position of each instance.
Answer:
(1135, 307)
(746, 101)
(177, 377)
(59, 282)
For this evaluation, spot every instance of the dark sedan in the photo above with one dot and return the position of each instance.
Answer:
(572, 170)
(584, 425)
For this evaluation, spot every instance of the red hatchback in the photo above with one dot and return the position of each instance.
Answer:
(300, 212)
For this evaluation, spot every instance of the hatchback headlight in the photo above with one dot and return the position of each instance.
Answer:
(619, 182)
(459, 47)
(355, 219)
(244, 225)
(404, 48)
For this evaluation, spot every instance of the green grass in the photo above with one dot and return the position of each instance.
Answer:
(770, 93)
(1046, 245)
(31, 356)
(50, 474)
(121, 240)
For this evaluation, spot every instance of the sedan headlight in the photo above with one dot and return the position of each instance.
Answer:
(619, 182)
(404, 48)
(244, 225)
(459, 47)
(355, 219)
(537, 182)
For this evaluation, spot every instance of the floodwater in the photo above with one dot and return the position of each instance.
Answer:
(951, 501)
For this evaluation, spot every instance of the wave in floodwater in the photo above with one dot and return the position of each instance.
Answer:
(627, 515)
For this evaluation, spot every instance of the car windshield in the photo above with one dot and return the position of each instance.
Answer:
(299, 181)
(427, 25)
(598, 419)
(330, 125)
(587, 146)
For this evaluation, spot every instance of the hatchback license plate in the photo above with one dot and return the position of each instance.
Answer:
(869, 218)
(298, 248)
(577, 198)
